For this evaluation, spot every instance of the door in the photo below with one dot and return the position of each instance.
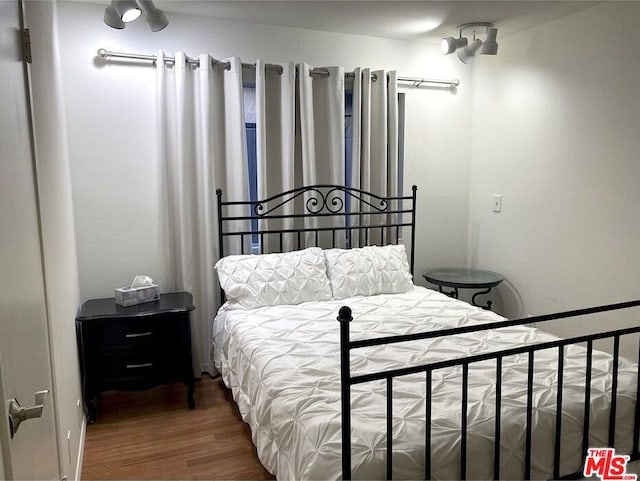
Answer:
(25, 361)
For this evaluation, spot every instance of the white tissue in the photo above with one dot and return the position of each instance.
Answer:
(141, 281)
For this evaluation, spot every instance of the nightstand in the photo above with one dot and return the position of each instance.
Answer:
(136, 347)
(464, 278)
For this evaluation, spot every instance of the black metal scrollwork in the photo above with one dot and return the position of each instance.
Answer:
(331, 201)
(336, 204)
(316, 203)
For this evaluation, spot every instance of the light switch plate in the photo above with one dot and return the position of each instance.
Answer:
(497, 203)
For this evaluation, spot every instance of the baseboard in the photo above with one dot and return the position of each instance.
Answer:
(83, 433)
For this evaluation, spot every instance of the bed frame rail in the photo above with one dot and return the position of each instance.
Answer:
(347, 380)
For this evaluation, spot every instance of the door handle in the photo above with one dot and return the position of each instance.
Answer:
(18, 413)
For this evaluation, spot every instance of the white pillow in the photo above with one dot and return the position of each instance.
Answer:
(368, 271)
(274, 279)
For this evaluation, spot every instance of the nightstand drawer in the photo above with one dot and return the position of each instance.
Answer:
(158, 331)
(136, 365)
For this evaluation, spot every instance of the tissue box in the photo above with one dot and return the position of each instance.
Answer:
(130, 296)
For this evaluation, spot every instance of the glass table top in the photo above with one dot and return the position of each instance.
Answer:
(462, 277)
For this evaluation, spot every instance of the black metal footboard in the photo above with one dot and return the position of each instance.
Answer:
(347, 380)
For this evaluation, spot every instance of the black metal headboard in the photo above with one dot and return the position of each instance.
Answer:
(316, 215)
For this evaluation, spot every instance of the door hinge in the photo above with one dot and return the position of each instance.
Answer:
(26, 45)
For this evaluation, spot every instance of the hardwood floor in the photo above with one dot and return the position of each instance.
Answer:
(153, 435)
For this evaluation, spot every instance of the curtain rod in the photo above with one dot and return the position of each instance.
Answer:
(417, 82)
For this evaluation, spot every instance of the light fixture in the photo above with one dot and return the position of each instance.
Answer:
(111, 17)
(467, 49)
(467, 54)
(155, 18)
(490, 46)
(449, 44)
(127, 9)
(121, 12)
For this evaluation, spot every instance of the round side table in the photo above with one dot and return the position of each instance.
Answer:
(464, 278)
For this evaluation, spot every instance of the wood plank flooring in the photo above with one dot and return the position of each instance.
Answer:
(153, 435)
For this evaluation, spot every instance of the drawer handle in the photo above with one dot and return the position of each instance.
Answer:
(139, 334)
(136, 366)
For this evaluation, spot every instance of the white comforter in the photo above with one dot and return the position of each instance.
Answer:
(282, 364)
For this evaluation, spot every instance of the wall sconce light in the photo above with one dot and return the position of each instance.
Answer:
(467, 51)
(121, 12)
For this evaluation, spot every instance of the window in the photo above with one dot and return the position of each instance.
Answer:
(348, 136)
(252, 161)
(249, 91)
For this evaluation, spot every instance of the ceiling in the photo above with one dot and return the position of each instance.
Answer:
(396, 19)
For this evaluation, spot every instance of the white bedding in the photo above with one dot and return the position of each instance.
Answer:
(282, 364)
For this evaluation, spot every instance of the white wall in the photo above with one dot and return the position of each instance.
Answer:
(556, 122)
(111, 110)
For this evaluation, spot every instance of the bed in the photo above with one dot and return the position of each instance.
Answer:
(405, 382)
